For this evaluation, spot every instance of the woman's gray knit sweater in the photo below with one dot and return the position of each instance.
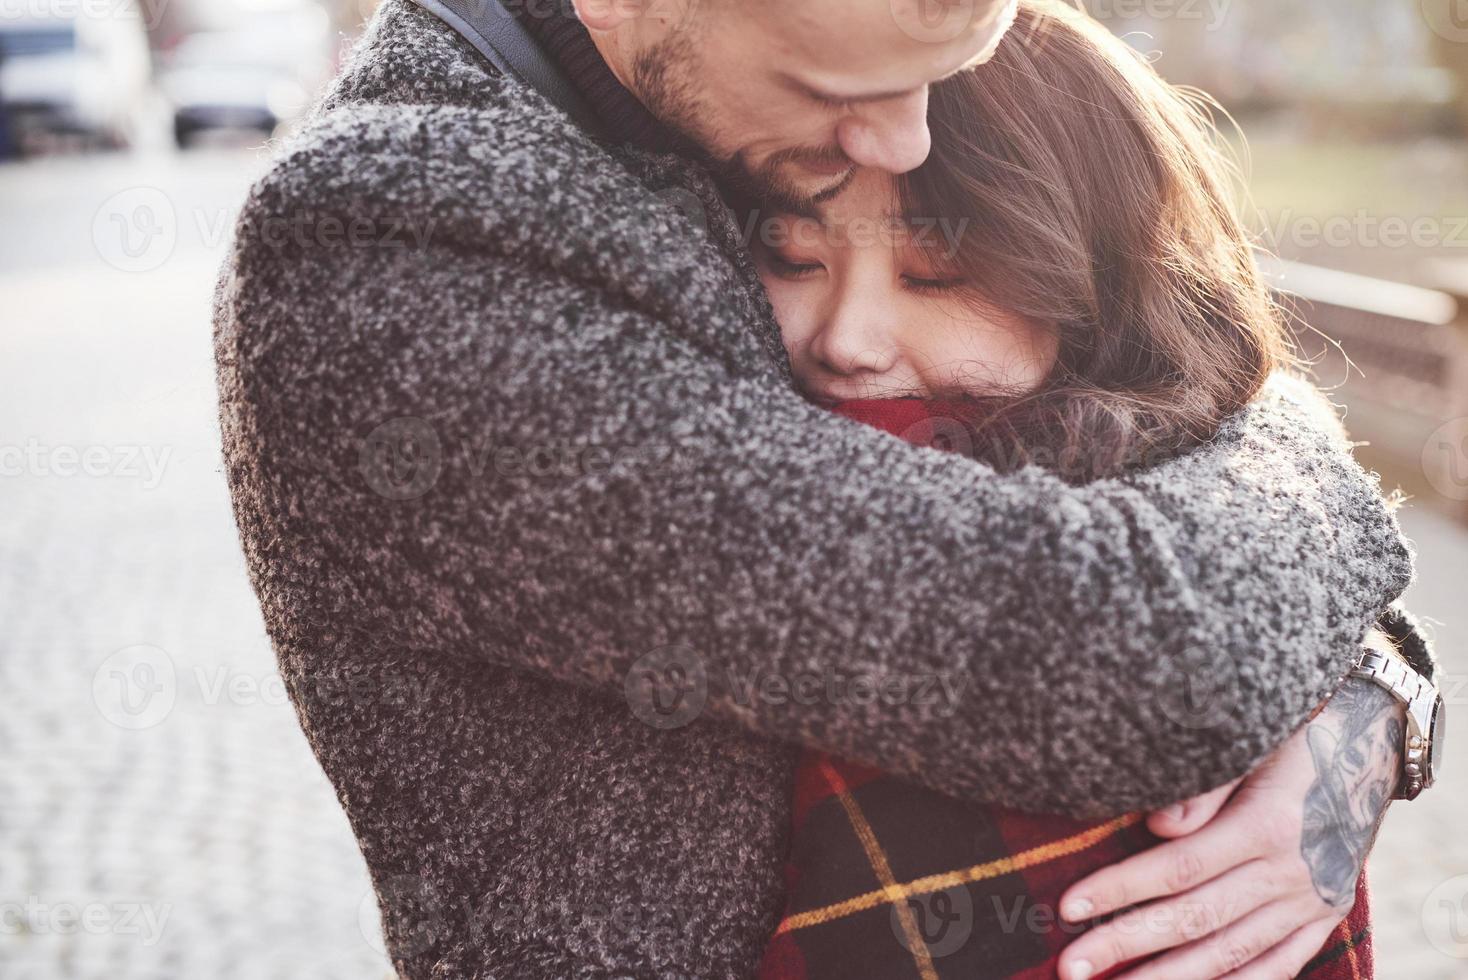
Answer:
(504, 411)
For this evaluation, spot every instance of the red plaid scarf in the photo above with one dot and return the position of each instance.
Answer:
(886, 879)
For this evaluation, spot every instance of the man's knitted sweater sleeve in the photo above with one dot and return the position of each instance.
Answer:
(543, 429)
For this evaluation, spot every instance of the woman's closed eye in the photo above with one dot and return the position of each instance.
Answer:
(792, 269)
(795, 269)
(932, 285)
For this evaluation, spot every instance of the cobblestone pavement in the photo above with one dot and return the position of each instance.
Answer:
(160, 815)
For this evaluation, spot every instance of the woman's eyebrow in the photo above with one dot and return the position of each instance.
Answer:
(828, 217)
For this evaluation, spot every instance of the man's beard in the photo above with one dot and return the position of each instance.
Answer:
(662, 77)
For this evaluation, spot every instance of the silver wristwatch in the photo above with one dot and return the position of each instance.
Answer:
(1426, 719)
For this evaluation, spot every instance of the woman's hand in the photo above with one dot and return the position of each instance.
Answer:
(1259, 871)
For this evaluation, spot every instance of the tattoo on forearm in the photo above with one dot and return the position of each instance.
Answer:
(1356, 744)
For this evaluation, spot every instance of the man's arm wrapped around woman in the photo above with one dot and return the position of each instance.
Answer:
(554, 432)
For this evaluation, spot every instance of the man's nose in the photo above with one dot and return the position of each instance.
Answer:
(890, 135)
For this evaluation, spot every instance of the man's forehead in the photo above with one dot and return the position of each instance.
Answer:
(861, 47)
(937, 21)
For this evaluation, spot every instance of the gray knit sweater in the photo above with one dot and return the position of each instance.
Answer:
(504, 411)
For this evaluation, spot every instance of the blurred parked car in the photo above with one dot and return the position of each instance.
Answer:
(255, 74)
(64, 73)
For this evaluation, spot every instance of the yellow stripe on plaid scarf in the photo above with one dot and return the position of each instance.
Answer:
(877, 858)
(943, 882)
(1345, 928)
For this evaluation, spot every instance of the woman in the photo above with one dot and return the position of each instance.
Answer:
(1062, 284)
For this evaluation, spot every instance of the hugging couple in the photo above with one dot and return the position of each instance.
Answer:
(1058, 459)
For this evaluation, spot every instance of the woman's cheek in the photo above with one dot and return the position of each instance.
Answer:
(1045, 344)
(1029, 352)
(790, 306)
(1033, 356)
(991, 356)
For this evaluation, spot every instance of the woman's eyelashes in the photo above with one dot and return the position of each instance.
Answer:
(792, 269)
(931, 285)
(920, 274)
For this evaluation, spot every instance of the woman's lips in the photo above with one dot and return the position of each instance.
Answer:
(825, 398)
(817, 397)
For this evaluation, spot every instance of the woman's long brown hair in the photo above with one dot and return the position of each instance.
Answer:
(1095, 197)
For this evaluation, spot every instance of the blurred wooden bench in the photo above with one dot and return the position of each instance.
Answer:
(1396, 357)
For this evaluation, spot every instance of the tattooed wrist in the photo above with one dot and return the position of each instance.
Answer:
(1355, 745)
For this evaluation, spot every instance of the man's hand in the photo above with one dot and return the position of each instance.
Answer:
(1259, 871)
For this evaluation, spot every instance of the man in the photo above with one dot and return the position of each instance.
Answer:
(792, 98)
(512, 443)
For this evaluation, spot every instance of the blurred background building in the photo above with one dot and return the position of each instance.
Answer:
(160, 815)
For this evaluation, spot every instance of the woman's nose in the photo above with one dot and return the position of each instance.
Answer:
(851, 340)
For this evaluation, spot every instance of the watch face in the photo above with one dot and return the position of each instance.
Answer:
(1439, 731)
